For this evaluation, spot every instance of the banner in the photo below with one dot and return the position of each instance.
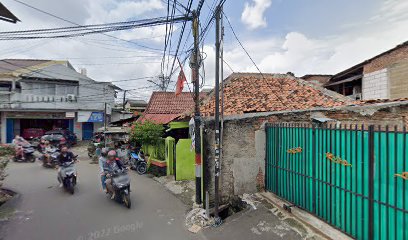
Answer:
(85, 116)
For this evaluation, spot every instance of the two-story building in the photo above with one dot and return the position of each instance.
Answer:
(50, 94)
(381, 77)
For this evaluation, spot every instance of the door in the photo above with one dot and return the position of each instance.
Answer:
(10, 130)
(87, 130)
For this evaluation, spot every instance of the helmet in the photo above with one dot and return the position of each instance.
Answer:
(112, 153)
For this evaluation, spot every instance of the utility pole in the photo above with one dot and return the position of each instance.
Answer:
(124, 100)
(195, 63)
(217, 114)
(104, 114)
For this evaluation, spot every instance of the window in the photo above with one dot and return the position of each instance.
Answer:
(63, 90)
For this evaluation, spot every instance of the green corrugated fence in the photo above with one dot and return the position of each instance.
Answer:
(352, 177)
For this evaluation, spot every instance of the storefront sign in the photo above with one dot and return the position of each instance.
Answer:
(70, 114)
(84, 116)
(36, 115)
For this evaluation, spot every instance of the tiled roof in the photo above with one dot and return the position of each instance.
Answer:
(253, 92)
(158, 118)
(163, 107)
(169, 103)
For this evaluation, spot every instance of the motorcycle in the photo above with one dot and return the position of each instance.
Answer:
(50, 158)
(121, 186)
(69, 176)
(28, 152)
(138, 162)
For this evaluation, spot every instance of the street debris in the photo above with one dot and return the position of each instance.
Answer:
(197, 217)
(194, 228)
(250, 200)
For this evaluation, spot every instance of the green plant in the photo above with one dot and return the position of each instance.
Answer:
(146, 133)
(6, 150)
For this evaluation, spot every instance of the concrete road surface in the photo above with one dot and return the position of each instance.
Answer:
(46, 212)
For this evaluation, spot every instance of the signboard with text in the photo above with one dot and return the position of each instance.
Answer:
(85, 116)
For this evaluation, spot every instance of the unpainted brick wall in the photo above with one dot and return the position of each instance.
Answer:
(386, 60)
(398, 79)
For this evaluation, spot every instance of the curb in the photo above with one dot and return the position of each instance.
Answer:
(306, 218)
(12, 202)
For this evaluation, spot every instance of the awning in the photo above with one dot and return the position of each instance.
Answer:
(178, 125)
(6, 15)
(350, 79)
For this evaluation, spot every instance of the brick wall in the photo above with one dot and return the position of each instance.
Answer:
(241, 166)
(375, 85)
(398, 79)
(387, 59)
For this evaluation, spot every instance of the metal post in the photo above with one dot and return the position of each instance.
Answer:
(104, 115)
(371, 182)
(314, 169)
(195, 66)
(217, 112)
(124, 99)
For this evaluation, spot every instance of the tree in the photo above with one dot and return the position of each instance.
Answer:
(147, 132)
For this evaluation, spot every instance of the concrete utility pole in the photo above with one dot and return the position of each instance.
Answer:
(195, 63)
(217, 113)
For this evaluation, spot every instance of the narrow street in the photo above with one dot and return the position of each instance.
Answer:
(44, 211)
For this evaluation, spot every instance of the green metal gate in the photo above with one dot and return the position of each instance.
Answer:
(350, 176)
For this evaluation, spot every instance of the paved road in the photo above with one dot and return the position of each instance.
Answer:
(47, 212)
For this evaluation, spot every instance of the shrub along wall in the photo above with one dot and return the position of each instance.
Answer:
(156, 151)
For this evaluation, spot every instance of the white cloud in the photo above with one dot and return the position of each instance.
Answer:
(253, 14)
(111, 10)
(301, 54)
(297, 52)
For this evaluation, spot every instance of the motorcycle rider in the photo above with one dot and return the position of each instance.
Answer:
(47, 150)
(112, 164)
(102, 165)
(64, 156)
(41, 145)
(18, 143)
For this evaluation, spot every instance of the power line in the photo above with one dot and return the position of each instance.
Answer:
(81, 98)
(179, 41)
(74, 23)
(64, 33)
(249, 56)
(52, 77)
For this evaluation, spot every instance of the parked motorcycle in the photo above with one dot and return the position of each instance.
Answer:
(69, 176)
(28, 151)
(121, 186)
(138, 162)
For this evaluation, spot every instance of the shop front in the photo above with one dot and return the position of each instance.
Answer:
(33, 124)
(88, 123)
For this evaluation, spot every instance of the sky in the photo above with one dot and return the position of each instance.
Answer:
(299, 36)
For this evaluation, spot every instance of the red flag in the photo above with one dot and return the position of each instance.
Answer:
(180, 80)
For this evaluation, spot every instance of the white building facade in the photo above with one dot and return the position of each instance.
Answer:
(43, 94)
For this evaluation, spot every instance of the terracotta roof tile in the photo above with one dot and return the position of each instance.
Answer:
(252, 92)
(169, 103)
(158, 118)
(164, 107)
